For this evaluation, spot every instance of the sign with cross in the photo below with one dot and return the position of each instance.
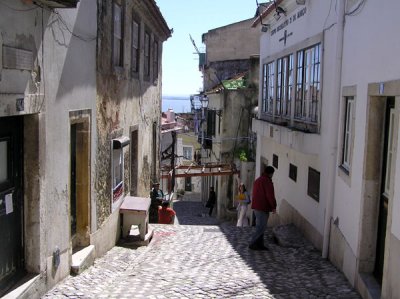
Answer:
(285, 36)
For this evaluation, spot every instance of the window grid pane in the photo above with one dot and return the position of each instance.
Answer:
(347, 132)
(118, 31)
(147, 54)
(155, 60)
(270, 89)
(288, 110)
(279, 87)
(389, 153)
(299, 85)
(264, 89)
(135, 46)
(308, 83)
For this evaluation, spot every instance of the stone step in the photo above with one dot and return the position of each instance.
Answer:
(83, 259)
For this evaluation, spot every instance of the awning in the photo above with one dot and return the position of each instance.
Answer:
(120, 142)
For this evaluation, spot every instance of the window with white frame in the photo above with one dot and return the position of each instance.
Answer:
(390, 152)
(284, 84)
(135, 46)
(117, 169)
(268, 87)
(308, 84)
(291, 86)
(118, 32)
(187, 153)
(347, 133)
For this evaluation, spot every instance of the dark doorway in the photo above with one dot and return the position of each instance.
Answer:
(188, 183)
(11, 202)
(385, 188)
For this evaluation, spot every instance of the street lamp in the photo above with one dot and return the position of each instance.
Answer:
(204, 105)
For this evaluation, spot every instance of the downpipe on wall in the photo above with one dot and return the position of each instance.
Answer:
(335, 127)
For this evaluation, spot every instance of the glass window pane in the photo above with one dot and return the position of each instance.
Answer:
(117, 21)
(117, 161)
(3, 161)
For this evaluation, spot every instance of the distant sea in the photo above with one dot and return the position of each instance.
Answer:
(179, 104)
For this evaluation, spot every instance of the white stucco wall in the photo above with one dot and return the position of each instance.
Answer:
(70, 84)
(369, 55)
(63, 75)
(303, 25)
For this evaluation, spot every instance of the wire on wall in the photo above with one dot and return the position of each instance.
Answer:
(357, 9)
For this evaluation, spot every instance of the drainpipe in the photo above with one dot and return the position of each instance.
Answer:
(334, 125)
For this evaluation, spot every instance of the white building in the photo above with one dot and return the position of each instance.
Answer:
(328, 121)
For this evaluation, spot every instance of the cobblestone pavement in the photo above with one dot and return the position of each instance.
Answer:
(199, 258)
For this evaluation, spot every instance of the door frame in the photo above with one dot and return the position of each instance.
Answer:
(81, 119)
(372, 174)
(15, 187)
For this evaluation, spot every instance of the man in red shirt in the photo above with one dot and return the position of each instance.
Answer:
(263, 202)
(166, 215)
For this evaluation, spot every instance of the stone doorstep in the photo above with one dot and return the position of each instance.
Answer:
(24, 287)
(83, 259)
(368, 287)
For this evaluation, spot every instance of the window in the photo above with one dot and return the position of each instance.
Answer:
(268, 87)
(117, 170)
(118, 44)
(313, 183)
(117, 173)
(293, 172)
(187, 153)
(284, 85)
(211, 126)
(147, 55)
(155, 61)
(389, 151)
(347, 133)
(135, 46)
(275, 161)
(293, 82)
(308, 83)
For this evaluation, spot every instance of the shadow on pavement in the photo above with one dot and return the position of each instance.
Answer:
(295, 270)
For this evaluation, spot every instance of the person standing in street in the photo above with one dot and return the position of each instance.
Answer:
(211, 201)
(243, 200)
(263, 202)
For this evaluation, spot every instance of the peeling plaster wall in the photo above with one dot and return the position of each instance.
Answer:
(125, 100)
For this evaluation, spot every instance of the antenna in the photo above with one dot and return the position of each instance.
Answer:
(194, 44)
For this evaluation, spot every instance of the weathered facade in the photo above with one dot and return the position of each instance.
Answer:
(128, 105)
(65, 110)
(231, 85)
(328, 122)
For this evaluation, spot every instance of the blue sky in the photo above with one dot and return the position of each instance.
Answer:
(180, 65)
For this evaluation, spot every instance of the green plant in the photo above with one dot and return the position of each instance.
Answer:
(243, 156)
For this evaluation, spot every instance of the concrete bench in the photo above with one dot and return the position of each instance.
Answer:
(135, 211)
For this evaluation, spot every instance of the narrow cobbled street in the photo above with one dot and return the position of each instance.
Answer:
(201, 258)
